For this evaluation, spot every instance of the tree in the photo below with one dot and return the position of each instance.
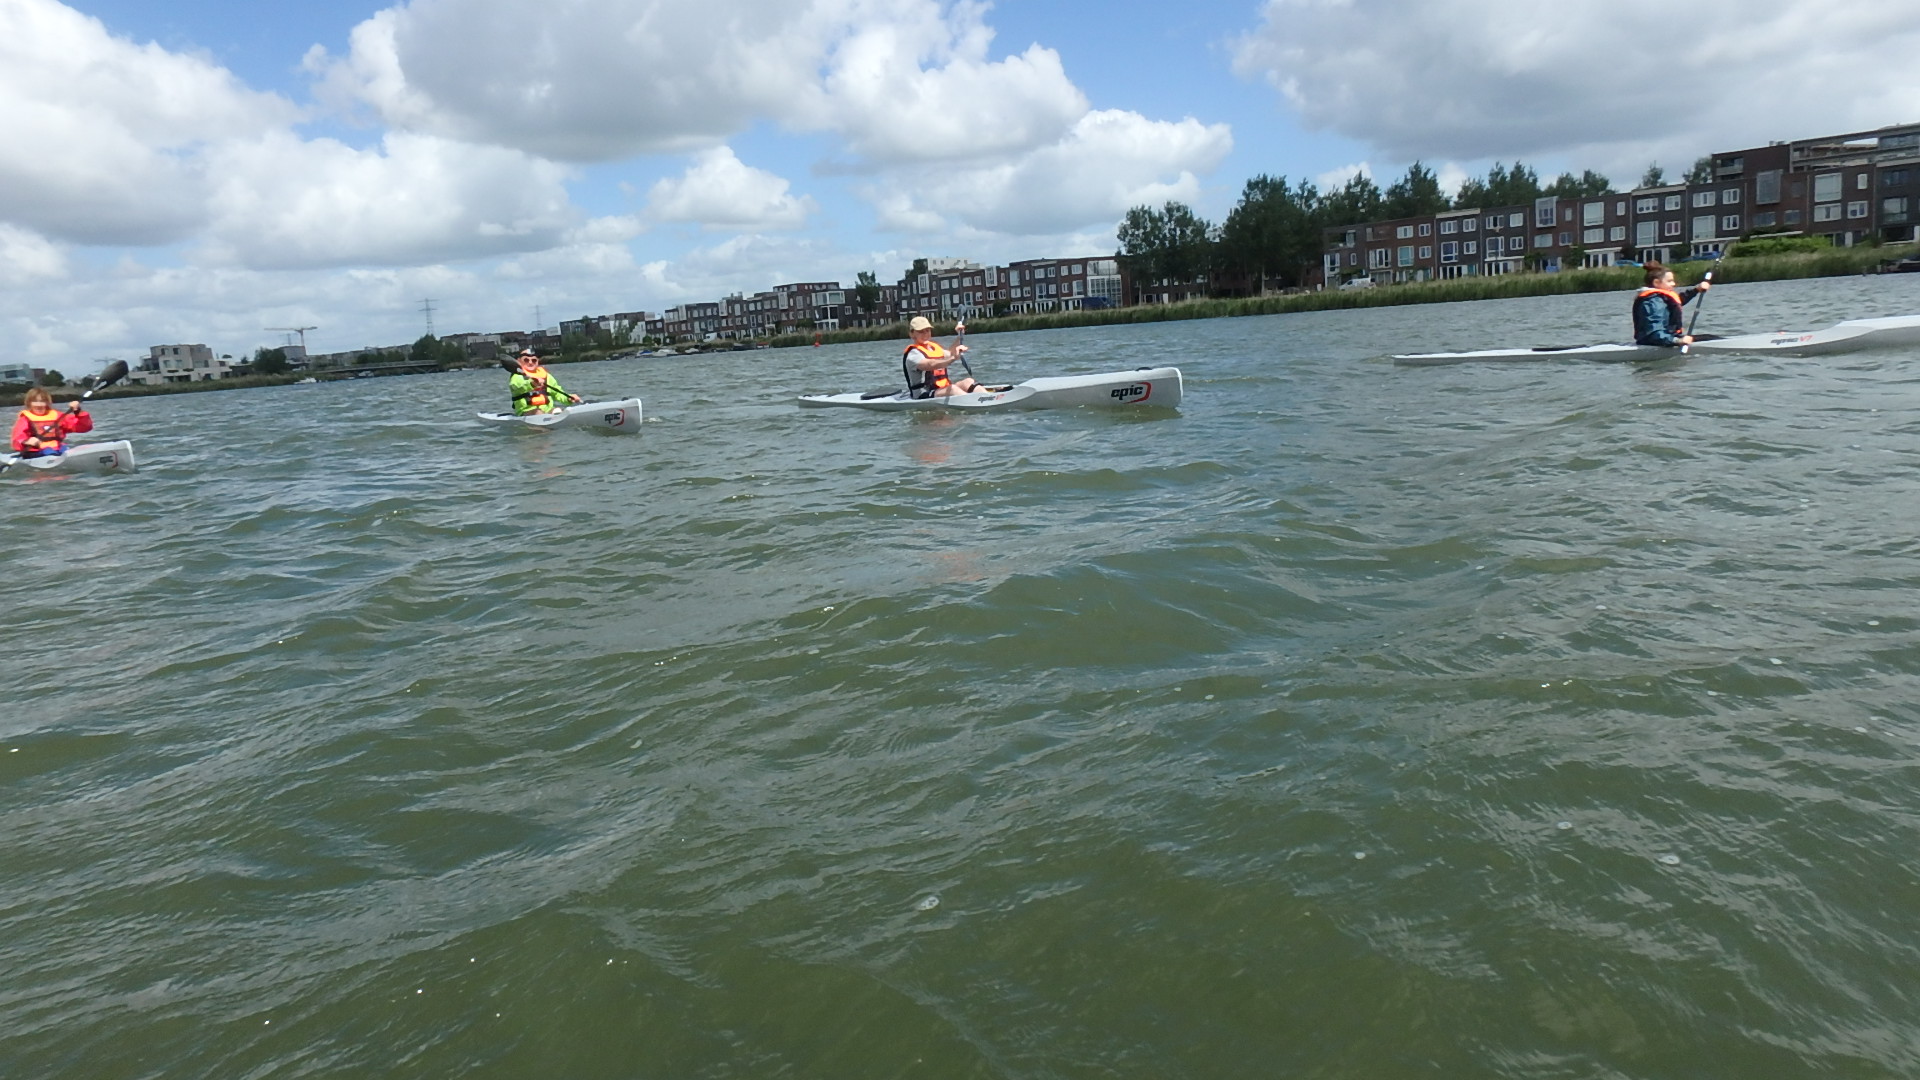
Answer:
(1585, 186)
(1356, 201)
(1273, 231)
(51, 377)
(1169, 244)
(270, 361)
(1655, 176)
(1414, 195)
(866, 292)
(1502, 187)
(1702, 171)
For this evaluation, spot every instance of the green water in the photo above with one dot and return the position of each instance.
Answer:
(1528, 721)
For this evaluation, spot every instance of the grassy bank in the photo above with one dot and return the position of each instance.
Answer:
(1836, 262)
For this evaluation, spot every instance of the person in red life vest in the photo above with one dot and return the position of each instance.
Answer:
(1656, 310)
(41, 430)
(925, 363)
(535, 391)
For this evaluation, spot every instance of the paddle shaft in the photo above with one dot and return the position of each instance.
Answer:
(1697, 305)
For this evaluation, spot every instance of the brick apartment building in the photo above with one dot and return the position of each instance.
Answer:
(1850, 188)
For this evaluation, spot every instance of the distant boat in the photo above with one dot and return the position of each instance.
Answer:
(305, 381)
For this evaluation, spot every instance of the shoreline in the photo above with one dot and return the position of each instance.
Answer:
(1839, 262)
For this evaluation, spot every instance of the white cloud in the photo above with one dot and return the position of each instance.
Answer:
(598, 80)
(1109, 161)
(1590, 82)
(27, 256)
(102, 135)
(719, 191)
(283, 202)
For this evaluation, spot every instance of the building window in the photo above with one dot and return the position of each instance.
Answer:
(1617, 233)
(1379, 259)
(1543, 212)
(1894, 210)
(1426, 251)
(1447, 227)
(1860, 182)
(1703, 198)
(1620, 208)
(1543, 240)
(1594, 236)
(1791, 217)
(1426, 229)
(1829, 212)
(1449, 251)
(1593, 213)
(1469, 247)
(1672, 202)
(1406, 254)
(1857, 209)
(1648, 205)
(1703, 227)
(1730, 224)
(1670, 228)
(1493, 245)
(1493, 221)
(1766, 187)
(1470, 224)
(1730, 197)
(1517, 221)
(1765, 219)
(1826, 187)
(1404, 232)
(1894, 177)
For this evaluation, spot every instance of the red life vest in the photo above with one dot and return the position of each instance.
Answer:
(1672, 297)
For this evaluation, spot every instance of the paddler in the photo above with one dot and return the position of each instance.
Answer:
(925, 362)
(535, 391)
(41, 430)
(1656, 310)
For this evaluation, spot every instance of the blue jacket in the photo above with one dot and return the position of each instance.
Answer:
(1656, 317)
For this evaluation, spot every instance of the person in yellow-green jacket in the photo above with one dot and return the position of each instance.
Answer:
(535, 391)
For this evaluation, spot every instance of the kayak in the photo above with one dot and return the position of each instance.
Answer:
(104, 457)
(606, 415)
(1854, 335)
(1159, 386)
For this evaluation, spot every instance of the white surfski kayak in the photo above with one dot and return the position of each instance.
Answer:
(1159, 386)
(620, 416)
(1854, 335)
(102, 457)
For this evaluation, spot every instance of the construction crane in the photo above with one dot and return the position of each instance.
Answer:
(301, 330)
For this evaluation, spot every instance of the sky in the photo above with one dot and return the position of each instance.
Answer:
(199, 171)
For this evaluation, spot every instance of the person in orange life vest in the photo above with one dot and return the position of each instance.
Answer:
(925, 363)
(1656, 310)
(41, 430)
(535, 391)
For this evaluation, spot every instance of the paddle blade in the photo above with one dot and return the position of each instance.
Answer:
(510, 365)
(114, 373)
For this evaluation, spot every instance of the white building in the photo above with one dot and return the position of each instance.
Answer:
(178, 363)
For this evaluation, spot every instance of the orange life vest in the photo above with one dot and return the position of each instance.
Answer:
(537, 397)
(936, 378)
(44, 426)
(1672, 297)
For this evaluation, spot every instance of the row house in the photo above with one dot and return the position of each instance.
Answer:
(1036, 285)
(949, 288)
(1851, 189)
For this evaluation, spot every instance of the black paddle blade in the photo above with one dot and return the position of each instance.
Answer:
(510, 365)
(114, 373)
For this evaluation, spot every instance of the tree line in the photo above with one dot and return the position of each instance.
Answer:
(1272, 237)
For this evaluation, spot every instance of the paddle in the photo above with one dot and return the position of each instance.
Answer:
(113, 374)
(1697, 305)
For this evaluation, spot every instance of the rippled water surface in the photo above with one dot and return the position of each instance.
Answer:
(1544, 720)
